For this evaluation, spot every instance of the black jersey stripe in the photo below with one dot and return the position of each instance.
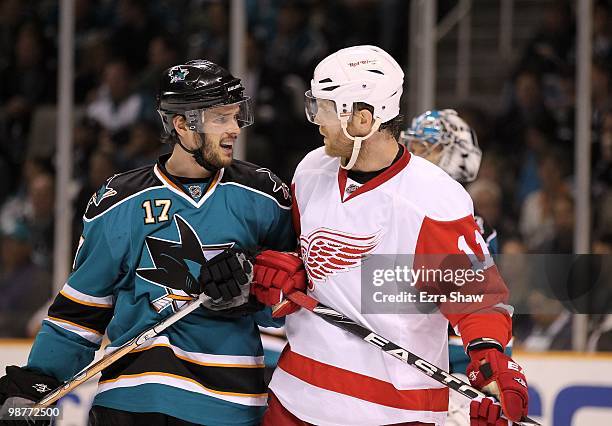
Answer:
(258, 178)
(163, 360)
(92, 317)
(119, 187)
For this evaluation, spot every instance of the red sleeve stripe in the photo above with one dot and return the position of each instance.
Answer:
(357, 385)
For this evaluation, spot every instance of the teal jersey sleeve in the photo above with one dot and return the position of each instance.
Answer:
(278, 236)
(81, 311)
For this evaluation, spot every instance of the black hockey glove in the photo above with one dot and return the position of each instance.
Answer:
(226, 279)
(22, 387)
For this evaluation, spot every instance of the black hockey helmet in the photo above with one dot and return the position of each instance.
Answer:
(194, 86)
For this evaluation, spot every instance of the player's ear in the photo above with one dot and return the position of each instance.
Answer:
(362, 121)
(180, 125)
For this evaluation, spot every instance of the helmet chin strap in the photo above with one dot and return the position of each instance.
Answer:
(356, 141)
(198, 156)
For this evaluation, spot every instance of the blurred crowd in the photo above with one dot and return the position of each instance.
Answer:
(524, 190)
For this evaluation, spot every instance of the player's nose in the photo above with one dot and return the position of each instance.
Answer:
(234, 132)
(234, 128)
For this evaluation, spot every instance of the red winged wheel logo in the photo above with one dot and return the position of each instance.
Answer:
(327, 251)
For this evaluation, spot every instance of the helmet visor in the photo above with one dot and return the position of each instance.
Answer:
(319, 111)
(416, 145)
(222, 118)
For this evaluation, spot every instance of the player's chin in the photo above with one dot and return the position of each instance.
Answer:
(221, 159)
(225, 160)
(332, 151)
(329, 149)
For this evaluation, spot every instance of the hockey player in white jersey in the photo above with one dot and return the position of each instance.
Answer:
(364, 194)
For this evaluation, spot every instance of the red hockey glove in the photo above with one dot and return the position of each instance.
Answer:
(486, 413)
(496, 373)
(276, 274)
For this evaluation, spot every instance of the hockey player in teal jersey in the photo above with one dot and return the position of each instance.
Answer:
(445, 139)
(147, 233)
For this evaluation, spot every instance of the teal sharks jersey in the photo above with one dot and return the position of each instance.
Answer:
(145, 233)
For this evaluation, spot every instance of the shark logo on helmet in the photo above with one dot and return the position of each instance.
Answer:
(178, 73)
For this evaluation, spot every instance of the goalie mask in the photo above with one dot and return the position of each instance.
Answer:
(365, 74)
(210, 99)
(460, 155)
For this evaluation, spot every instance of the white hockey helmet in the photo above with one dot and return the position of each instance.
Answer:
(365, 74)
(460, 156)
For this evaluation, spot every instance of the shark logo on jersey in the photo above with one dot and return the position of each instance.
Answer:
(278, 184)
(105, 192)
(327, 252)
(176, 265)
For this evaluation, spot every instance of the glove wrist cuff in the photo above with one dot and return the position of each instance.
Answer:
(483, 343)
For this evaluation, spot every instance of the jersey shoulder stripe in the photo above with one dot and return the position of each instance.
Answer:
(259, 179)
(120, 187)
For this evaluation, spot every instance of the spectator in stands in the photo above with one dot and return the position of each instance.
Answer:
(550, 325)
(287, 64)
(91, 59)
(602, 31)
(514, 265)
(481, 122)
(487, 197)
(600, 338)
(24, 83)
(85, 142)
(211, 39)
(40, 219)
(12, 14)
(536, 222)
(161, 54)
(296, 47)
(526, 109)
(561, 241)
(561, 101)
(601, 90)
(538, 141)
(142, 147)
(133, 32)
(16, 207)
(7, 174)
(24, 286)
(602, 176)
(549, 50)
(116, 107)
(602, 172)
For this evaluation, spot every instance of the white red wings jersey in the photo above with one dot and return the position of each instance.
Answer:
(326, 376)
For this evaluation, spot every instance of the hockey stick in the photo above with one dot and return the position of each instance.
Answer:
(340, 320)
(93, 369)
